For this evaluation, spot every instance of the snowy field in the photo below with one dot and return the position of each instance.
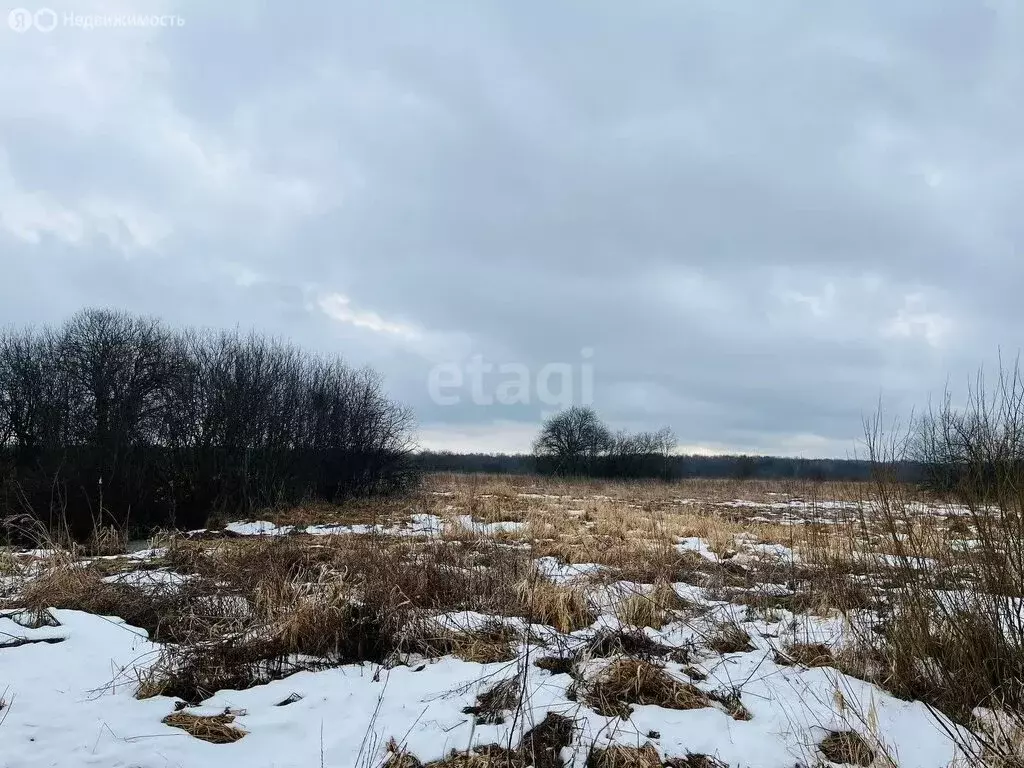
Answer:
(479, 623)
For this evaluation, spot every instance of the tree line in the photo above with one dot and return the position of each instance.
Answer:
(119, 419)
(575, 442)
(681, 466)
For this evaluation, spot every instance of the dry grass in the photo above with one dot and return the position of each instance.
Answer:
(632, 681)
(651, 565)
(632, 643)
(195, 672)
(732, 704)
(556, 665)
(216, 729)
(729, 637)
(972, 660)
(807, 655)
(9, 565)
(563, 607)
(492, 705)
(695, 760)
(655, 609)
(493, 508)
(376, 511)
(66, 584)
(325, 600)
(491, 643)
(490, 756)
(480, 650)
(846, 747)
(338, 599)
(624, 757)
(326, 603)
(106, 540)
(540, 747)
(318, 614)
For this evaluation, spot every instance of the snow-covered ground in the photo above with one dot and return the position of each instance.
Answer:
(71, 703)
(68, 679)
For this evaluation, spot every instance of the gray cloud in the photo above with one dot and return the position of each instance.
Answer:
(761, 219)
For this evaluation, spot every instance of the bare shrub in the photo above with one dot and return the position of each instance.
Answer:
(955, 637)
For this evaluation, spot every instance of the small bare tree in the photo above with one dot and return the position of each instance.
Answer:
(571, 440)
(576, 442)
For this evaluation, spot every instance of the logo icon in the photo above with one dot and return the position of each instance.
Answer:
(45, 20)
(20, 20)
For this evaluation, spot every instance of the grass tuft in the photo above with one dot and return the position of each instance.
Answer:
(655, 610)
(540, 747)
(632, 681)
(556, 665)
(106, 540)
(624, 757)
(491, 643)
(846, 747)
(492, 704)
(216, 729)
(730, 638)
(695, 760)
(806, 654)
(560, 606)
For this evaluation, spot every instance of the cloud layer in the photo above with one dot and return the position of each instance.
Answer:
(760, 217)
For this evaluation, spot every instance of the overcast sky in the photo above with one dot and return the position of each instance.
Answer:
(760, 217)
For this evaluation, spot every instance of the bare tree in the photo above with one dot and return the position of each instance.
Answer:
(576, 442)
(571, 440)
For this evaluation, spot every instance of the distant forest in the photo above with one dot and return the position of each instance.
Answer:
(680, 467)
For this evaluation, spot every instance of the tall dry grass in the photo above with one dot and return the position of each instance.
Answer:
(952, 634)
